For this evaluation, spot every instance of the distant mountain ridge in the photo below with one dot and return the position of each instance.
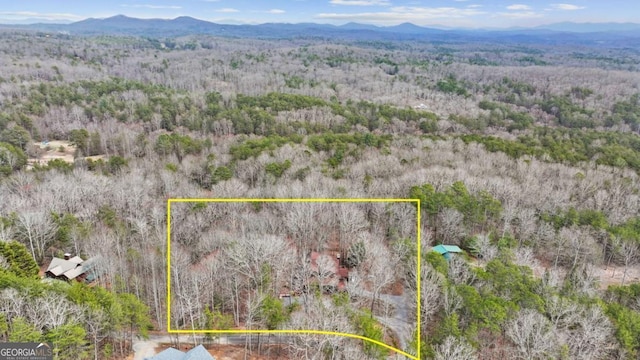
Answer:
(591, 27)
(613, 34)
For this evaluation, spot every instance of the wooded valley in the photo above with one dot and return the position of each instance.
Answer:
(524, 156)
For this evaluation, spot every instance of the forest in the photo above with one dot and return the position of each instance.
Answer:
(526, 157)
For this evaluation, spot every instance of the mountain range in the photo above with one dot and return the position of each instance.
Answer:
(613, 34)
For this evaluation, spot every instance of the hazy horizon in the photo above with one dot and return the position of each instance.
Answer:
(438, 13)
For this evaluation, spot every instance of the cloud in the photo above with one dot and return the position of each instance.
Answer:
(19, 15)
(227, 10)
(402, 14)
(149, 6)
(519, 7)
(360, 2)
(519, 11)
(276, 11)
(566, 7)
(520, 15)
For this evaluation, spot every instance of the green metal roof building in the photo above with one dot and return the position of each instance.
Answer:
(446, 250)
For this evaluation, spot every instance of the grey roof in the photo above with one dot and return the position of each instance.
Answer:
(168, 354)
(197, 353)
(74, 273)
(76, 260)
(75, 267)
(61, 266)
(93, 269)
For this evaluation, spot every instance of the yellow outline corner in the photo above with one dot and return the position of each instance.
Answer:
(321, 332)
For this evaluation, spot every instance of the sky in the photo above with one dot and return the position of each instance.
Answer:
(443, 13)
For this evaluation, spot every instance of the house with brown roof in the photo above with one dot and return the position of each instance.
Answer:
(328, 268)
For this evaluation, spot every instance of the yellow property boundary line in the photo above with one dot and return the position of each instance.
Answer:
(320, 332)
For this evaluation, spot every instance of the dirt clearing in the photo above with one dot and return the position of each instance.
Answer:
(43, 152)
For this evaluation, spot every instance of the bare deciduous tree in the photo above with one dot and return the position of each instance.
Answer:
(592, 338)
(532, 335)
(629, 252)
(459, 271)
(37, 229)
(562, 312)
(327, 270)
(431, 296)
(451, 225)
(454, 349)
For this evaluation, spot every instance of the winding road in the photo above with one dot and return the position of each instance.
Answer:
(399, 323)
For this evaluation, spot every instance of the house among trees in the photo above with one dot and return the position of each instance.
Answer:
(197, 353)
(331, 274)
(70, 268)
(447, 250)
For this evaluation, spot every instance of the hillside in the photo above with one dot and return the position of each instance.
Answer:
(524, 154)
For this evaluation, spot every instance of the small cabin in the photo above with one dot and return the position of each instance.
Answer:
(447, 250)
